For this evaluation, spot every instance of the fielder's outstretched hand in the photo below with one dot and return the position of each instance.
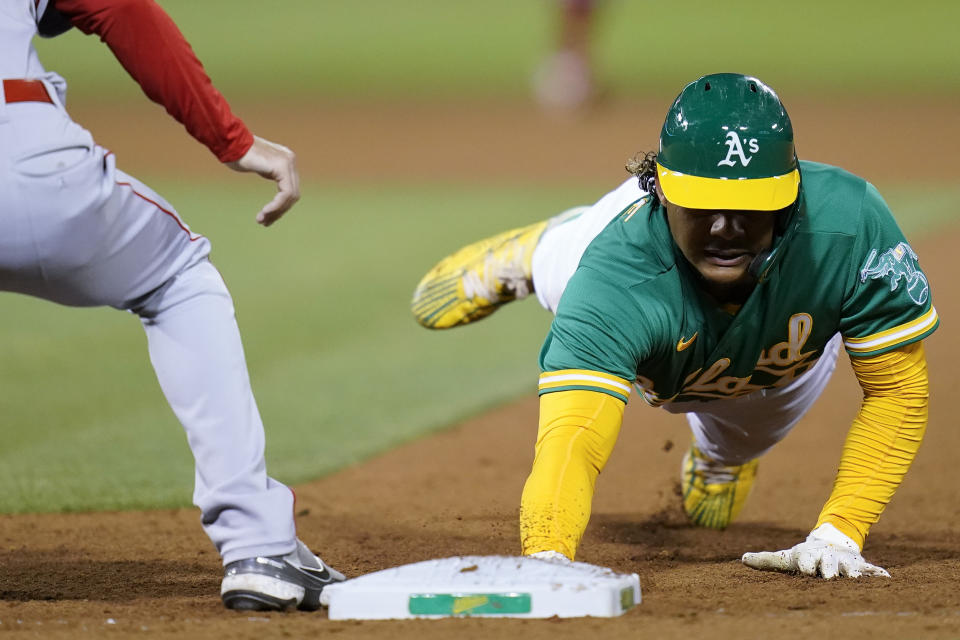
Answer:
(826, 553)
(273, 162)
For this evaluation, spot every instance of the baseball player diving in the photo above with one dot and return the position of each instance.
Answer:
(78, 231)
(719, 281)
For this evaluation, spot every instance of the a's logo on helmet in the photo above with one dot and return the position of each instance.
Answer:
(735, 148)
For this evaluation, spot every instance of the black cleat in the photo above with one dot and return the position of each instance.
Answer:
(273, 583)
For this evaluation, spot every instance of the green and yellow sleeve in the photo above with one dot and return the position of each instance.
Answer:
(577, 432)
(882, 441)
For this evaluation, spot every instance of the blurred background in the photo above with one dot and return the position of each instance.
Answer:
(420, 126)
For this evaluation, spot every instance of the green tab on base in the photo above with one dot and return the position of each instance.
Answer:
(468, 604)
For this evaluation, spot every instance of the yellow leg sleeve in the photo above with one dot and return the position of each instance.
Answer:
(577, 432)
(883, 440)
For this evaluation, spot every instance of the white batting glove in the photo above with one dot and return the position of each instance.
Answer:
(826, 553)
(551, 556)
(273, 162)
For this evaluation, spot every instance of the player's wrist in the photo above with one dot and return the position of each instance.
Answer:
(826, 527)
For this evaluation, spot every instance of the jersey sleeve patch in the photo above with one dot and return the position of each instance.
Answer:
(586, 380)
(896, 264)
(891, 338)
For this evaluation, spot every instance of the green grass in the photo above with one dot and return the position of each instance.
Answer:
(429, 48)
(340, 369)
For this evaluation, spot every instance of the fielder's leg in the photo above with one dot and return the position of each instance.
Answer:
(196, 351)
(198, 357)
(80, 232)
(117, 242)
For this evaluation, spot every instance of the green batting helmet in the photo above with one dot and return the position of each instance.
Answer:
(727, 143)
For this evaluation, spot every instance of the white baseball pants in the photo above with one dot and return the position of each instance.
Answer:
(78, 231)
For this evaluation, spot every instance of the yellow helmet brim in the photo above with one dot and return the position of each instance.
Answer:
(753, 194)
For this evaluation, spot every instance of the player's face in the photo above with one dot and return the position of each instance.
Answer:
(721, 244)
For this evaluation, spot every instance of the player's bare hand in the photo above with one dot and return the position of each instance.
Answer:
(827, 553)
(273, 162)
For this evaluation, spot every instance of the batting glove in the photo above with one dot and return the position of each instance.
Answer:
(826, 553)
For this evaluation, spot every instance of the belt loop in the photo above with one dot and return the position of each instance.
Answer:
(54, 92)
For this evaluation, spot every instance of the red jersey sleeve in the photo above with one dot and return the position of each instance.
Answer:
(153, 51)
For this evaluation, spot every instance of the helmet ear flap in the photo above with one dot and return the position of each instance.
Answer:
(757, 265)
(786, 226)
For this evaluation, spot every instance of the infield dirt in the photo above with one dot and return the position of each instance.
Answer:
(155, 574)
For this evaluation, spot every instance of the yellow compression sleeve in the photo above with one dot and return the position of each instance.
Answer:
(577, 432)
(883, 440)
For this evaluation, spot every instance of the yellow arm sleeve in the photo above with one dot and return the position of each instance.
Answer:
(883, 440)
(577, 432)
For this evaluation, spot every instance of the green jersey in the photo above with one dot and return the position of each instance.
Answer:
(634, 313)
